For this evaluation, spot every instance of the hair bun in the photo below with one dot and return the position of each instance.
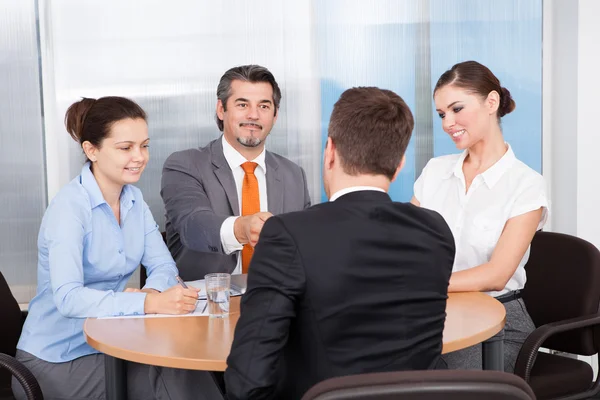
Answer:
(507, 104)
(75, 117)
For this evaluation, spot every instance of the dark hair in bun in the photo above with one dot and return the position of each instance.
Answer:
(507, 104)
(477, 78)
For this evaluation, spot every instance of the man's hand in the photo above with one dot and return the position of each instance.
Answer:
(247, 229)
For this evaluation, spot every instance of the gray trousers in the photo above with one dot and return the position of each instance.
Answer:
(83, 378)
(518, 326)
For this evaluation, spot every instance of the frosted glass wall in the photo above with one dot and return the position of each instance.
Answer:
(170, 55)
(22, 174)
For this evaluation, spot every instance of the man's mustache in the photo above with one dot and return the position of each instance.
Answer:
(251, 123)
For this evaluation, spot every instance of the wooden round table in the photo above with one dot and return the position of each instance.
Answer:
(471, 318)
(204, 343)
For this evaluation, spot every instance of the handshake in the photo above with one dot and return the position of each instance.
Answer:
(247, 228)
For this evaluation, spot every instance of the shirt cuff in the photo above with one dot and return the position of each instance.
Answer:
(159, 283)
(228, 239)
(134, 304)
(541, 202)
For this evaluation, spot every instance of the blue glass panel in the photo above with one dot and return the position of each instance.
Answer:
(375, 44)
(357, 51)
(505, 36)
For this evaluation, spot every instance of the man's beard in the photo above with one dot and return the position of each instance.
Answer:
(249, 141)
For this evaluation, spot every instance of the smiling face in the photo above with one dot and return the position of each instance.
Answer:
(249, 114)
(122, 155)
(466, 117)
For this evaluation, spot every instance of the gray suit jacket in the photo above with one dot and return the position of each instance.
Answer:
(199, 193)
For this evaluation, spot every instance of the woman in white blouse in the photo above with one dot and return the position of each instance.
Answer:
(492, 202)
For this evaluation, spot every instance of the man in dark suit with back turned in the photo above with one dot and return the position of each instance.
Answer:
(355, 285)
(217, 198)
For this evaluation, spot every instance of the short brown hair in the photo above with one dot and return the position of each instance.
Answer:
(370, 128)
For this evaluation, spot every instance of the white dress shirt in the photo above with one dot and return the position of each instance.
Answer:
(235, 161)
(351, 189)
(505, 190)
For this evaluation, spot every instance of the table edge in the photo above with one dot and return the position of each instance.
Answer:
(480, 337)
(221, 365)
(153, 359)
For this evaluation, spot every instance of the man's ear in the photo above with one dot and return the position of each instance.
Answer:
(220, 110)
(399, 168)
(329, 154)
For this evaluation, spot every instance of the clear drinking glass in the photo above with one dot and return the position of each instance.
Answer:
(217, 294)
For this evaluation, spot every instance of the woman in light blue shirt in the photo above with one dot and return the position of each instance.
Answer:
(94, 235)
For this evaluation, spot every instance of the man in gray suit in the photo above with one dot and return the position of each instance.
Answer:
(210, 195)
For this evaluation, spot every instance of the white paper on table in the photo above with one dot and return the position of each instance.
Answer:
(200, 306)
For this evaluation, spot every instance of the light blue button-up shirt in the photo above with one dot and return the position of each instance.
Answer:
(84, 262)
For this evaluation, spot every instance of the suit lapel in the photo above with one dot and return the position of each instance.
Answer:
(224, 175)
(274, 185)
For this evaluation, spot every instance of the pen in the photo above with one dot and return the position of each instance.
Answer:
(181, 282)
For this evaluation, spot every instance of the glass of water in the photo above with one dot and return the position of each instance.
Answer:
(217, 294)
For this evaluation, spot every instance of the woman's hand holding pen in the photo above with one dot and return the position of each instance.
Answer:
(175, 300)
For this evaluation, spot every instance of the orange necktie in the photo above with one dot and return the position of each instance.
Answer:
(250, 205)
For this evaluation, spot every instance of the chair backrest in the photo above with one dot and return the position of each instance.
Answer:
(12, 323)
(563, 282)
(143, 274)
(424, 385)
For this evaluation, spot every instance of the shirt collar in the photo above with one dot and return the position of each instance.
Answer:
(351, 189)
(89, 183)
(493, 174)
(235, 159)
(457, 169)
(127, 199)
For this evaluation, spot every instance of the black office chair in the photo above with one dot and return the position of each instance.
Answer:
(12, 322)
(562, 295)
(24, 376)
(424, 385)
(143, 276)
